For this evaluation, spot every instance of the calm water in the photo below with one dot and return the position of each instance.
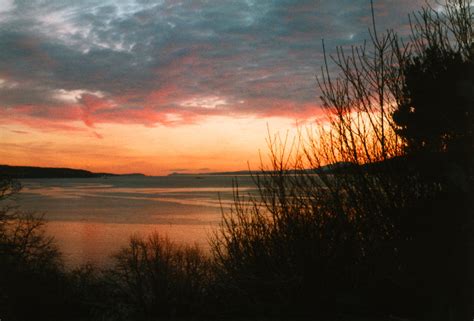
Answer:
(92, 218)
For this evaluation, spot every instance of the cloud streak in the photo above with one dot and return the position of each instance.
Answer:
(171, 63)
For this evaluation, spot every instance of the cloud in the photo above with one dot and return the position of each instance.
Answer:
(20, 132)
(169, 62)
(6, 6)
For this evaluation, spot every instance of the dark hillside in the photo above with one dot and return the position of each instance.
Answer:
(50, 172)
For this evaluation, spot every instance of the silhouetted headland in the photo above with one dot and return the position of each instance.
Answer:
(52, 172)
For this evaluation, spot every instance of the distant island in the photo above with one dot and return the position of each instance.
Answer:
(332, 168)
(394, 163)
(235, 173)
(52, 172)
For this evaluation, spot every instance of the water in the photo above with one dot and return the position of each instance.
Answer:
(92, 218)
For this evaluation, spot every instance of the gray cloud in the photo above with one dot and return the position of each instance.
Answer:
(256, 56)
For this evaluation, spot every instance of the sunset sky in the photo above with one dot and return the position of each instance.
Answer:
(163, 86)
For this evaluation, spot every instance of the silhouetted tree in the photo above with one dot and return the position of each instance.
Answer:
(375, 235)
(32, 282)
(439, 93)
(436, 112)
(436, 120)
(153, 277)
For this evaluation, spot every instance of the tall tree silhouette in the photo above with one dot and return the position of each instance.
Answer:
(437, 115)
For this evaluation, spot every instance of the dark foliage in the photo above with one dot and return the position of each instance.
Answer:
(387, 231)
(154, 278)
(29, 262)
(439, 92)
(390, 237)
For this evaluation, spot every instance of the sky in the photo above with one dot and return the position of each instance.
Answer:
(166, 86)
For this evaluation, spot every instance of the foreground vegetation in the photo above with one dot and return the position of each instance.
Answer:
(387, 234)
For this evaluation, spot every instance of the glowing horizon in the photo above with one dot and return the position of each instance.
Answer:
(163, 86)
(148, 150)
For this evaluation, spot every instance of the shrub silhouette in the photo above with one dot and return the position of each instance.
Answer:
(373, 235)
(154, 277)
(30, 263)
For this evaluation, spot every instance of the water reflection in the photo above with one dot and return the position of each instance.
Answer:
(88, 242)
(91, 219)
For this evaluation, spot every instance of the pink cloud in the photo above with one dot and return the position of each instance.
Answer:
(157, 109)
(91, 105)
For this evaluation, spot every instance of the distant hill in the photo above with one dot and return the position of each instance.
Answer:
(327, 169)
(399, 163)
(235, 173)
(391, 165)
(51, 172)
